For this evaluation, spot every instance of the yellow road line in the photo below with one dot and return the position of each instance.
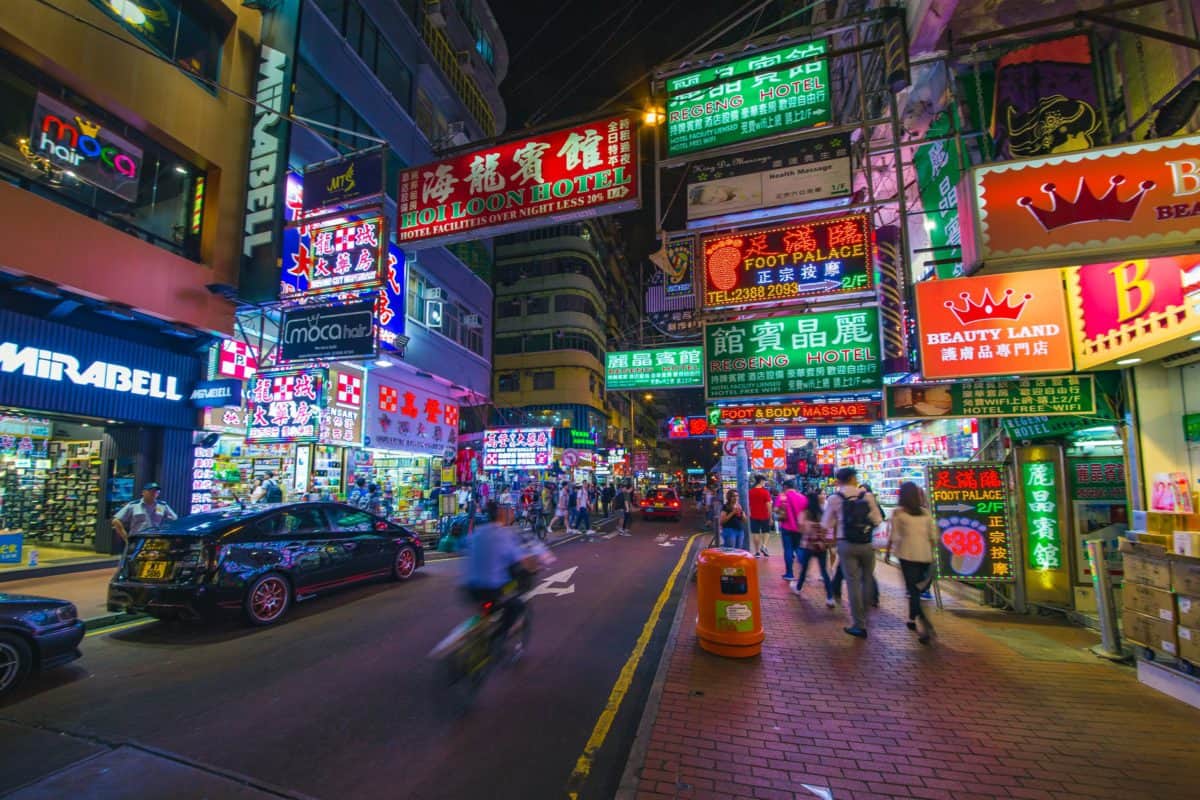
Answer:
(583, 765)
(137, 623)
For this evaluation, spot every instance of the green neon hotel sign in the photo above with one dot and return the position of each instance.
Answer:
(654, 369)
(750, 98)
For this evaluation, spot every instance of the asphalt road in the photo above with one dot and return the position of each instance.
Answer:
(338, 700)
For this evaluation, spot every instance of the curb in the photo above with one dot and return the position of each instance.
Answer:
(62, 569)
(627, 788)
(108, 620)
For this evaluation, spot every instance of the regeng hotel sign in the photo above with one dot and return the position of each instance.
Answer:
(583, 171)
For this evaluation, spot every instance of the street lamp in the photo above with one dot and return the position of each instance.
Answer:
(654, 116)
(648, 397)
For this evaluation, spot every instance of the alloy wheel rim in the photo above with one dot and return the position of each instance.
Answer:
(267, 601)
(406, 562)
(9, 663)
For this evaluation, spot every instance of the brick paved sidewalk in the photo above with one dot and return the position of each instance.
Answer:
(1000, 706)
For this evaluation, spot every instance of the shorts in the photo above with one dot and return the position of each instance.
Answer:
(628, 518)
(761, 526)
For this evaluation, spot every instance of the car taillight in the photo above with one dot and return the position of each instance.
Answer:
(674, 504)
(645, 504)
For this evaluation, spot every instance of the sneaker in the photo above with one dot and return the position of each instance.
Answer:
(854, 630)
(829, 602)
(797, 588)
(757, 555)
(787, 577)
(765, 553)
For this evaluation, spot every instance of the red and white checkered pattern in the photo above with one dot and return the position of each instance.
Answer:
(349, 390)
(768, 454)
(283, 388)
(343, 238)
(236, 360)
(389, 399)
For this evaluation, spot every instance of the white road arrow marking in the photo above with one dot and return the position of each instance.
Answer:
(547, 585)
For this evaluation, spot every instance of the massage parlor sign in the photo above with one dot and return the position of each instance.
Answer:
(1097, 202)
(1006, 324)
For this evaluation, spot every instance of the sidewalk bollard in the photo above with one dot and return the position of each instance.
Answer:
(729, 622)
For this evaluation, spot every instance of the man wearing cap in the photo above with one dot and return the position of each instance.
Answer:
(141, 514)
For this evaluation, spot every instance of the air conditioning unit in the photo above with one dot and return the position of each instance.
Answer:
(434, 13)
(472, 321)
(433, 293)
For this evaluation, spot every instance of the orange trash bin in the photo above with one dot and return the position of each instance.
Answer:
(729, 622)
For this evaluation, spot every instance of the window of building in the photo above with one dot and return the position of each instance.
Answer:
(507, 345)
(508, 308)
(166, 206)
(543, 381)
(537, 305)
(508, 382)
(575, 302)
(537, 343)
(368, 42)
(188, 32)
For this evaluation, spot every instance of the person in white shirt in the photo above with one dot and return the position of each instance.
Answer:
(914, 535)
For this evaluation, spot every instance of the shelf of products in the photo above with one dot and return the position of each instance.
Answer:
(53, 498)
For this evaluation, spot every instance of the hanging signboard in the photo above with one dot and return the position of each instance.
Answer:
(1061, 209)
(668, 367)
(765, 94)
(1027, 429)
(78, 143)
(1073, 394)
(342, 421)
(345, 255)
(786, 174)
(673, 314)
(217, 394)
(1040, 493)
(297, 267)
(810, 259)
(517, 448)
(813, 353)
(1096, 489)
(768, 454)
(641, 460)
(679, 265)
(698, 428)
(823, 412)
(286, 406)
(347, 181)
(938, 172)
(1006, 324)
(1142, 306)
(582, 171)
(328, 333)
(410, 419)
(236, 360)
(970, 507)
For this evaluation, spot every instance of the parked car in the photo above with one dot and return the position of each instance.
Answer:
(662, 503)
(36, 634)
(258, 559)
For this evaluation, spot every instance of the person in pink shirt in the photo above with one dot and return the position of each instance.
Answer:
(789, 510)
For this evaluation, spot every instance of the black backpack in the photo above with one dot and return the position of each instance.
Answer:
(856, 519)
(274, 493)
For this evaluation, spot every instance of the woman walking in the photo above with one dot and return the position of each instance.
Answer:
(914, 536)
(815, 540)
(732, 520)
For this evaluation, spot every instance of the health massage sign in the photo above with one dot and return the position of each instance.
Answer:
(749, 98)
(810, 353)
(654, 369)
(800, 260)
(1069, 394)
(1007, 324)
(591, 167)
(971, 511)
(822, 412)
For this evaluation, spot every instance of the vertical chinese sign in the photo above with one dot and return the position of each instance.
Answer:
(970, 506)
(1039, 490)
(938, 173)
(1096, 488)
(590, 168)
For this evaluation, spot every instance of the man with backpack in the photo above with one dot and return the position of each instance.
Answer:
(272, 493)
(852, 514)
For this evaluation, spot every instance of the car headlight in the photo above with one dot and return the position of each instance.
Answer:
(66, 613)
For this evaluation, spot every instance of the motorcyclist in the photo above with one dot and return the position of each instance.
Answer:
(495, 556)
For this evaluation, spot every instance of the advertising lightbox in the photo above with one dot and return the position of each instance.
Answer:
(668, 367)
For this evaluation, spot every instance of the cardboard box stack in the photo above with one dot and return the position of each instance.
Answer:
(1161, 594)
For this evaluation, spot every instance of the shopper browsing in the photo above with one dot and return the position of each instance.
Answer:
(852, 513)
(913, 539)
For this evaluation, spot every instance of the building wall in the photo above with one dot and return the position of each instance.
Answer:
(171, 108)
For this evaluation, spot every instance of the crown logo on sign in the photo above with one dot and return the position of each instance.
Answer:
(1086, 207)
(87, 127)
(988, 308)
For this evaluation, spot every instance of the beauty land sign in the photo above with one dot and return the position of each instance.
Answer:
(585, 170)
(1138, 198)
(1004, 324)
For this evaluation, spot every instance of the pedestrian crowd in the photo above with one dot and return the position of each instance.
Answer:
(840, 532)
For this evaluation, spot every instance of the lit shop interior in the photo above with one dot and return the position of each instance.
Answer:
(60, 480)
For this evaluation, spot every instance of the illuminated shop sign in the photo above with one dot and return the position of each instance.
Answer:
(591, 168)
(517, 448)
(48, 365)
(748, 98)
(654, 369)
(825, 412)
(236, 360)
(1052, 210)
(1039, 487)
(345, 255)
(328, 332)
(815, 352)
(970, 506)
(349, 180)
(1006, 324)
(286, 406)
(410, 419)
(79, 144)
(800, 260)
(1069, 394)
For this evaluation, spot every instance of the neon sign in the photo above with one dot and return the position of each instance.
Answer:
(70, 139)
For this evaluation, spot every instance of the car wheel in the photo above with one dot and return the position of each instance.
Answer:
(268, 599)
(15, 661)
(405, 564)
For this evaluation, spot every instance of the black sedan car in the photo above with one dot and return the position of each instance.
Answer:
(259, 559)
(36, 634)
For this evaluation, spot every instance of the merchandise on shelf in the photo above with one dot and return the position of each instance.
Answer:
(53, 496)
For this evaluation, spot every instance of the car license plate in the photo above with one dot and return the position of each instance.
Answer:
(658, 505)
(153, 569)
